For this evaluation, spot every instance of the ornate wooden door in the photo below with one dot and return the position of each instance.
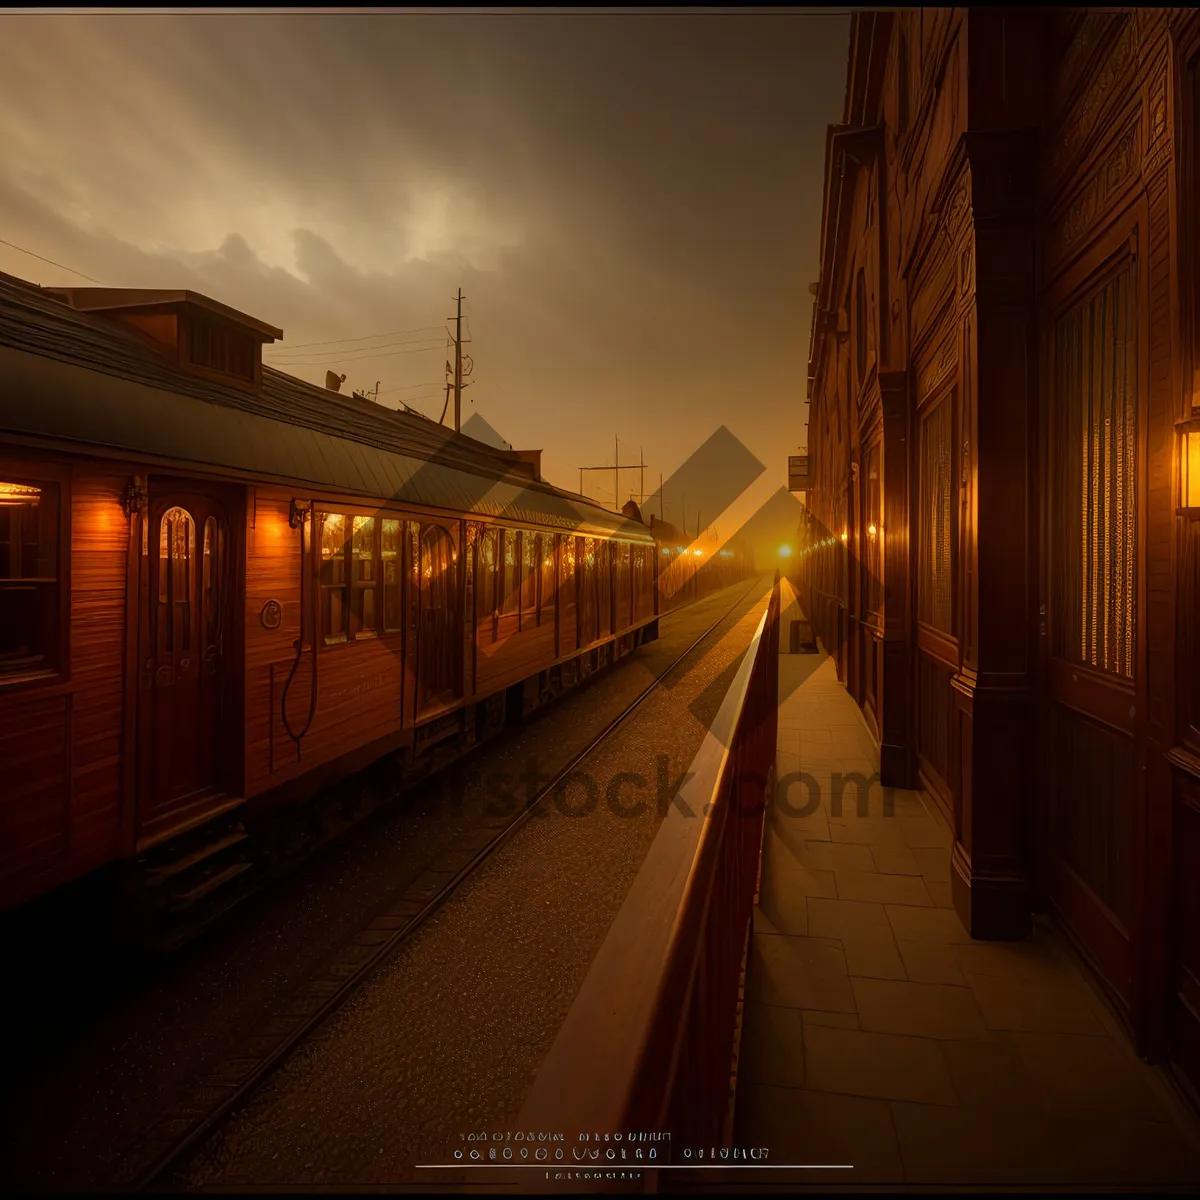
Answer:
(183, 631)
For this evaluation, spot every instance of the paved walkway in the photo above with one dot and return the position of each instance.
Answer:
(878, 1034)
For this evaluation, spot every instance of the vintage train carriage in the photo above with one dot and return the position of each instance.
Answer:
(221, 587)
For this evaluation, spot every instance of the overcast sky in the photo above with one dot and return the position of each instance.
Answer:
(630, 202)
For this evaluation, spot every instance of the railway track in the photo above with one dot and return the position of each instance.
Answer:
(210, 1099)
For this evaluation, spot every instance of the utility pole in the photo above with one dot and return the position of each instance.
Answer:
(616, 469)
(661, 517)
(642, 478)
(458, 365)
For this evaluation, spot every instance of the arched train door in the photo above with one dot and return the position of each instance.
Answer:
(183, 630)
(438, 627)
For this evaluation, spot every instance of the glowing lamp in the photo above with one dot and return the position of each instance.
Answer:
(845, 535)
(871, 530)
(697, 553)
(1189, 474)
(785, 552)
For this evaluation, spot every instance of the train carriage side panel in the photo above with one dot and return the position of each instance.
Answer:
(515, 629)
(65, 541)
(359, 683)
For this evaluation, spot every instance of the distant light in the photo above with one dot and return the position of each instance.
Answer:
(845, 535)
(697, 553)
(871, 529)
(785, 552)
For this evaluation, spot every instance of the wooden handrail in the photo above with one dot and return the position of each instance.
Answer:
(647, 1045)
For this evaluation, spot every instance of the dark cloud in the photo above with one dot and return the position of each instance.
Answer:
(629, 201)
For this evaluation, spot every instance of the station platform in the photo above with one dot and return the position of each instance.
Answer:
(877, 1035)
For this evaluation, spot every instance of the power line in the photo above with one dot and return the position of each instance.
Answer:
(369, 338)
(327, 362)
(408, 387)
(60, 266)
(347, 355)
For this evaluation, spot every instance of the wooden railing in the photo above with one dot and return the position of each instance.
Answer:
(648, 1045)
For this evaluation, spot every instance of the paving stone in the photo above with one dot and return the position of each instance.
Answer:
(832, 1020)
(876, 1064)
(867, 831)
(919, 1010)
(990, 1075)
(895, 860)
(926, 833)
(934, 863)
(931, 962)
(912, 924)
(772, 1049)
(1085, 1075)
(873, 956)
(848, 918)
(967, 1145)
(836, 856)
(876, 887)
(1035, 1006)
(806, 1127)
(799, 972)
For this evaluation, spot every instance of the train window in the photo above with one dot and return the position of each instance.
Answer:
(485, 586)
(509, 595)
(176, 558)
(390, 572)
(29, 625)
(547, 595)
(219, 348)
(622, 572)
(364, 578)
(529, 572)
(332, 576)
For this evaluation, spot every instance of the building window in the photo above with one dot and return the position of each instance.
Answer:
(1095, 473)
(29, 600)
(219, 348)
(359, 576)
(873, 558)
(935, 603)
(860, 325)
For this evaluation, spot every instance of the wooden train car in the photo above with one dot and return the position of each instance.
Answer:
(223, 589)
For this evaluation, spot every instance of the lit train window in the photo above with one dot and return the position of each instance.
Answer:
(29, 625)
(510, 596)
(364, 579)
(333, 578)
(390, 572)
(547, 584)
(176, 555)
(529, 572)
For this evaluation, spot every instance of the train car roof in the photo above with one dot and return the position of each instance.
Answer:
(83, 383)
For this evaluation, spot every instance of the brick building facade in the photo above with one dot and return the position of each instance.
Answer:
(999, 550)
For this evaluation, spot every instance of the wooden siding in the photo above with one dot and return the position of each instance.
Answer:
(62, 741)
